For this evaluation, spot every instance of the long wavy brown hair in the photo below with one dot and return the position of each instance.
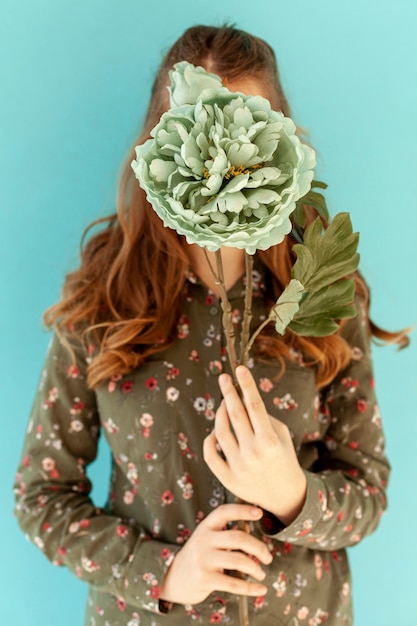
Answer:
(129, 287)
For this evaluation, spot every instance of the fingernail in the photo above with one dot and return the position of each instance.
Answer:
(241, 371)
(224, 380)
(256, 512)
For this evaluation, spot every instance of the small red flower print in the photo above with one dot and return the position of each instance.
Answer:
(84, 523)
(26, 461)
(353, 472)
(307, 526)
(73, 371)
(259, 602)
(121, 604)
(46, 526)
(350, 383)
(165, 553)
(183, 534)
(77, 406)
(353, 445)
(340, 516)
(61, 551)
(216, 618)
(122, 531)
(362, 405)
(151, 383)
(172, 373)
(287, 547)
(348, 528)
(155, 591)
(194, 356)
(265, 384)
(167, 497)
(127, 386)
(209, 299)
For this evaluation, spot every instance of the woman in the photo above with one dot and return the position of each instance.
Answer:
(139, 353)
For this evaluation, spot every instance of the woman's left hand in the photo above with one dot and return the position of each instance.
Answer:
(259, 465)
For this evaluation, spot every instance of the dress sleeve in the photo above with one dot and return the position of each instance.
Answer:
(52, 489)
(346, 489)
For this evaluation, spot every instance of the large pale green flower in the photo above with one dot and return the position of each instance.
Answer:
(223, 168)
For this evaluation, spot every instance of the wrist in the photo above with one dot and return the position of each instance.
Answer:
(290, 511)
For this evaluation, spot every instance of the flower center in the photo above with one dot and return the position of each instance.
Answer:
(235, 171)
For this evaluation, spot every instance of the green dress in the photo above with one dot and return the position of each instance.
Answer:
(155, 420)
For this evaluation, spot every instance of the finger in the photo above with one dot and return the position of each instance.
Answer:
(238, 586)
(225, 438)
(226, 513)
(236, 410)
(254, 404)
(211, 456)
(240, 562)
(239, 540)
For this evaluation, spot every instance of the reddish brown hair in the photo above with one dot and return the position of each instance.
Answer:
(129, 286)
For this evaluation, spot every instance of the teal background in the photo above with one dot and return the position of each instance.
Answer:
(75, 78)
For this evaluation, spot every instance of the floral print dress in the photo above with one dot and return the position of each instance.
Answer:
(155, 420)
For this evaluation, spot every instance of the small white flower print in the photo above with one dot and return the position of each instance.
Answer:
(200, 404)
(172, 394)
(280, 585)
(76, 426)
(146, 420)
(287, 402)
(88, 565)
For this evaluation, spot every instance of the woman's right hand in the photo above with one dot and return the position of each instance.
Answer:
(199, 567)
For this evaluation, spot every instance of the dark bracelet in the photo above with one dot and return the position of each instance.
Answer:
(270, 524)
(165, 606)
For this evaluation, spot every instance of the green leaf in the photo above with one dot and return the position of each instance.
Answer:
(313, 198)
(324, 259)
(319, 310)
(314, 327)
(324, 262)
(287, 305)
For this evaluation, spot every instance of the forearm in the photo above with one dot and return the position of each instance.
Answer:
(103, 550)
(337, 513)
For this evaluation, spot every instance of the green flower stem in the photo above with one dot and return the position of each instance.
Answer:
(247, 315)
(227, 314)
(260, 328)
(234, 362)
